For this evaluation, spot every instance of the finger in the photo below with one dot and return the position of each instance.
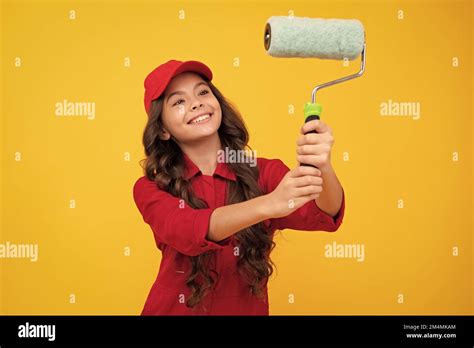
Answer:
(317, 125)
(300, 201)
(304, 170)
(307, 180)
(311, 197)
(310, 139)
(310, 159)
(308, 149)
(307, 190)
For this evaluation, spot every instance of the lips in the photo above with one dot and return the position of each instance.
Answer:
(195, 117)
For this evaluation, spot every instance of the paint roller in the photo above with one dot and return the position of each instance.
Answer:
(303, 37)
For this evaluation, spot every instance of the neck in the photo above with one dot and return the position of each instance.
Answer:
(204, 153)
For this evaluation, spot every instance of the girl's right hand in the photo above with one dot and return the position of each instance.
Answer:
(299, 186)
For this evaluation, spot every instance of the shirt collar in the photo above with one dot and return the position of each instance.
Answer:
(222, 169)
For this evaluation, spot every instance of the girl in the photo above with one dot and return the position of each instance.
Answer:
(214, 220)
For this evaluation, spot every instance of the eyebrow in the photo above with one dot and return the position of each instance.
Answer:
(181, 92)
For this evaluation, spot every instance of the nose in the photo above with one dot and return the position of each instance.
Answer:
(196, 105)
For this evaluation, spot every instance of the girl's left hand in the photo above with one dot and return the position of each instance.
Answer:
(315, 148)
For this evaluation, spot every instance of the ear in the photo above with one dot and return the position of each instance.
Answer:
(164, 134)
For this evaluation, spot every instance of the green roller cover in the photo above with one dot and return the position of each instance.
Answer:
(304, 37)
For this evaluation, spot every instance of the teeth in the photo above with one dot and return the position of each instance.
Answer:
(201, 118)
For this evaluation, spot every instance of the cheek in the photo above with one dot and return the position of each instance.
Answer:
(217, 108)
(165, 120)
(218, 119)
(179, 110)
(216, 104)
(172, 118)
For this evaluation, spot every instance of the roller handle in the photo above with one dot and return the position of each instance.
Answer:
(311, 112)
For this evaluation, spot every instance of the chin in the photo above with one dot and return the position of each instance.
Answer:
(204, 133)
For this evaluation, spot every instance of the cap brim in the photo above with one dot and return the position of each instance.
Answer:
(187, 66)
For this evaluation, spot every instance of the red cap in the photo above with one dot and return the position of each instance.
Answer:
(157, 81)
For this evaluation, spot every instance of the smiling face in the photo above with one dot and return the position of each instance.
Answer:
(190, 109)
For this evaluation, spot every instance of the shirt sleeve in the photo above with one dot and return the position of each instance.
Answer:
(309, 217)
(172, 221)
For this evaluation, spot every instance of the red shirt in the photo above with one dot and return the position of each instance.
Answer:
(180, 231)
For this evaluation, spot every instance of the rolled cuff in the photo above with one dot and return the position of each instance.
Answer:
(328, 222)
(201, 229)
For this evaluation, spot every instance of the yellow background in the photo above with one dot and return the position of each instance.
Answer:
(408, 250)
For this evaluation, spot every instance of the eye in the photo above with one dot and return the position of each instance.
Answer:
(179, 100)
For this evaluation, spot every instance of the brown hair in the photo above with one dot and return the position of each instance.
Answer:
(164, 164)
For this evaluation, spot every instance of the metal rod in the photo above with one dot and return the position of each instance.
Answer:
(361, 71)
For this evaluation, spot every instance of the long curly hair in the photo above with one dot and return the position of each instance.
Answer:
(164, 164)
